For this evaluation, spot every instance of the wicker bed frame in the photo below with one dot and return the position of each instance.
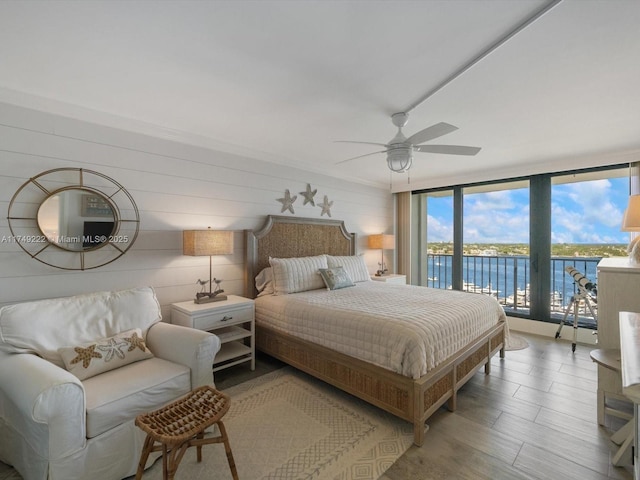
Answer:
(414, 400)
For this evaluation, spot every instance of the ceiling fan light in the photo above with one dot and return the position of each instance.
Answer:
(399, 162)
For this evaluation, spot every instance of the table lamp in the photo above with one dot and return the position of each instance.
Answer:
(383, 242)
(631, 223)
(208, 243)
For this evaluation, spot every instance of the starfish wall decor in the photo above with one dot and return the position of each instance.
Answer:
(287, 201)
(308, 195)
(326, 206)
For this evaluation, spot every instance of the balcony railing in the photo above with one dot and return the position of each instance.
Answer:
(506, 278)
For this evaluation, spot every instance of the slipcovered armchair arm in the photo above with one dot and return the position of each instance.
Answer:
(44, 403)
(190, 347)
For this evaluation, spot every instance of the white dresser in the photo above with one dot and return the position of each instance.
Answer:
(618, 291)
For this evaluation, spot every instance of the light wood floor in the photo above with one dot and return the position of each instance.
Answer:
(533, 417)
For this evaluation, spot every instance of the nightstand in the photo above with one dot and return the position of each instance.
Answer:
(391, 278)
(232, 320)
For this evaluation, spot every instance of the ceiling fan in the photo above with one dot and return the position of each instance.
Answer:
(400, 149)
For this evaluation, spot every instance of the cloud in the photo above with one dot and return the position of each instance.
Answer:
(497, 217)
(594, 200)
(582, 212)
(438, 230)
(586, 212)
(489, 201)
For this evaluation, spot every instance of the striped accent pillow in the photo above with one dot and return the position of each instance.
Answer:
(291, 275)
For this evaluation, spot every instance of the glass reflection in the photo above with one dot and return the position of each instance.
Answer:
(77, 219)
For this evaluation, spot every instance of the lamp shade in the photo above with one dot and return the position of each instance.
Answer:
(631, 218)
(380, 240)
(207, 242)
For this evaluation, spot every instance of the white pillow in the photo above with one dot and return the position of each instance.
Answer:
(106, 354)
(264, 282)
(354, 266)
(291, 275)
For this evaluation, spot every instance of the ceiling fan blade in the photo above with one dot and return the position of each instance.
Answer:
(448, 149)
(359, 156)
(362, 143)
(429, 133)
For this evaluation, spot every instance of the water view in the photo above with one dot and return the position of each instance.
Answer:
(585, 212)
(503, 271)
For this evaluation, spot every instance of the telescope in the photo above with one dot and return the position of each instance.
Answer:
(586, 291)
(581, 280)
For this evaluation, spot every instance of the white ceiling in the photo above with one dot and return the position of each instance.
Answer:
(282, 80)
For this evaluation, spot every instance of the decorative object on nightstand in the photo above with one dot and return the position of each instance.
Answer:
(631, 223)
(231, 320)
(208, 243)
(382, 242)
(391, 278)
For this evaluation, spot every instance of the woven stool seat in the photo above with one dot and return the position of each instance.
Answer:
(180, 425)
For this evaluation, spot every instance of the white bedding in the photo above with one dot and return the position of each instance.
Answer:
(403, 328)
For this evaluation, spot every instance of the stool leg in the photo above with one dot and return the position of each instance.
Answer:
(200, 436)
(227, 449)
(146, 449)
(165, 462)
(176, 457)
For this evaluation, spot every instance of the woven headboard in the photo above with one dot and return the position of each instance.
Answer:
(286, 237)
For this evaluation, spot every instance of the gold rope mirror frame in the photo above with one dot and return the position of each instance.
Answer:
(73, 218)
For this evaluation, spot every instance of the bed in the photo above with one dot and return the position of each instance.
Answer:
(411, 383)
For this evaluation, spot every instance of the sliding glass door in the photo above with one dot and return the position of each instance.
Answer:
(586, 215)
(496, 249)
(514, 239)
(438, 233)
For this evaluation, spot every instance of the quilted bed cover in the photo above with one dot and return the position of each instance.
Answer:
(404, 328)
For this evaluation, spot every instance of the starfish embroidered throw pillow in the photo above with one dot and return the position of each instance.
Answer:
(106, 354)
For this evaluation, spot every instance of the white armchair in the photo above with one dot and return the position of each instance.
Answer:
(55, 425)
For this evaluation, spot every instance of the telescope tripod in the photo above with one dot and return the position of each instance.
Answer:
(574, 305)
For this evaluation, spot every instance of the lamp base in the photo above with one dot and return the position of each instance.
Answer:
(208, 298)
(634, 252)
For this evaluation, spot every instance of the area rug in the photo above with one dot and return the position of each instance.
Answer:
(515, 342)
(287, 425)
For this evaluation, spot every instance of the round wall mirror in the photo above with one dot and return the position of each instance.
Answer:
(73, 218)
(77, 219)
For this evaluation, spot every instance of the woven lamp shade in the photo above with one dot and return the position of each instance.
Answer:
(631, 219)
(380, 240)
(207, 242)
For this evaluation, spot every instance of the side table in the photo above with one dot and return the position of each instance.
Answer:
(232, 320)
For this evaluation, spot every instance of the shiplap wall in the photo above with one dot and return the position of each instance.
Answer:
(176, 187)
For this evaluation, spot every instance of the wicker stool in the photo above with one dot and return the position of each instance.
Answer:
(181, 425)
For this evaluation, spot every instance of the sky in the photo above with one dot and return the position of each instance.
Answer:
(581, 212)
